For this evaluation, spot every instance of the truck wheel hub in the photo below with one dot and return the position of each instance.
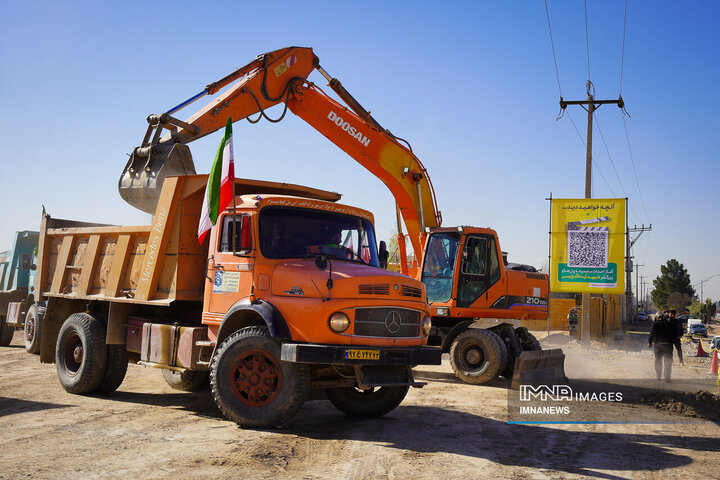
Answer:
(29, 329)
(256, 378)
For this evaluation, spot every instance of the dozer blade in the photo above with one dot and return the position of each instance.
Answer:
(143, 176)
(539, 367)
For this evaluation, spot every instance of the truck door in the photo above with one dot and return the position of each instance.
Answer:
(479, 270)
(229, 276)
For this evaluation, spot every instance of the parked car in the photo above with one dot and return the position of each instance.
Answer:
(643, 317)
(697, 329)
(715, 342)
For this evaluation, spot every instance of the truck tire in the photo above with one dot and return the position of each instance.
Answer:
(371, 403)
(187, 381)
(475, 356)
(81, 353)
(251, 386)
(115, 370)
(6, 332)
(33, 328)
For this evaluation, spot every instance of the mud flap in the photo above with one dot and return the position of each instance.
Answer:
(385, 376)
(540, 367)
(142, 179)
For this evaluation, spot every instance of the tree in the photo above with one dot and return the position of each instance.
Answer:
(703, 310)
(672, 287)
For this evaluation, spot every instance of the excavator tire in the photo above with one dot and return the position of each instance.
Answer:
(503, 351)
(251, 385)
(527, 340)
(475, 356)
(6, 332)
(187, 381)
(371, 403)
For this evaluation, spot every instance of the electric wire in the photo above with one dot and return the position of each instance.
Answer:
(612, 163)
(632, 160)
(587, 40)
(622, 57)
(552, 44)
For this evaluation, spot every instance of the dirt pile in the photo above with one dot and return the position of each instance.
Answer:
(699, 404)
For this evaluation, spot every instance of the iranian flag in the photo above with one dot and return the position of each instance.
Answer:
(219, 189)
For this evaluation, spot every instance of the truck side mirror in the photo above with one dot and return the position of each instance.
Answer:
(383, 254)
(245, 238)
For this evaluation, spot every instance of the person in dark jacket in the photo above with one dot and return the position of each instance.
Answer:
(662, 338)
(679, 331)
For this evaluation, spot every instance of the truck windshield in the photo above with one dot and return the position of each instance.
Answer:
(288, 232)
(439, 266)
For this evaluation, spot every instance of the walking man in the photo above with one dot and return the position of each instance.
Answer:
(679, 331)
(662, 339)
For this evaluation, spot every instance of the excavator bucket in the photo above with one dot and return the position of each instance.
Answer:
(539, 367)
(143, 176)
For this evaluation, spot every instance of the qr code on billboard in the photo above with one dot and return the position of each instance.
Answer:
(587, 248)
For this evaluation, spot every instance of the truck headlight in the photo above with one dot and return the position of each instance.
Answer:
(426, 325)
(339, 322)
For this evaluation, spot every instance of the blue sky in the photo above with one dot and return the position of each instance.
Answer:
(471, 85)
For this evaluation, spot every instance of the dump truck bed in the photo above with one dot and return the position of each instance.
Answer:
(151, 264)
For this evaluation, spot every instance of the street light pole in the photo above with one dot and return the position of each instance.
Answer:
(702, 282)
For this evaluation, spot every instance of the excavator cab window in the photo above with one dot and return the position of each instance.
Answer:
(479, 271)
(439, 266)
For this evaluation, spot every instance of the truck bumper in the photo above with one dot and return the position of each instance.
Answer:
(359, 355)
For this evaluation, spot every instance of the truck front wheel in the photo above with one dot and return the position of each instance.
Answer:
(373, 402)
(6, 332)
(475, 356)
(250, 384)
(81, 353)
(32, 328)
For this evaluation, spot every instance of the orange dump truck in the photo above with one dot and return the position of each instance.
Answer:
(286, 300)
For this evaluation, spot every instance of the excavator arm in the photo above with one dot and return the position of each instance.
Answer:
(273, 78)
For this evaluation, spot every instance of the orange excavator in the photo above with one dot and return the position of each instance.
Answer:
(477, 298)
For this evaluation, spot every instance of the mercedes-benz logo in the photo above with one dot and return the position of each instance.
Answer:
(392, 322)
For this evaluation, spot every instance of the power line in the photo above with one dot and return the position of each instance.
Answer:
(632, 160)
(622, 58)
(552, 44)
(587, 40)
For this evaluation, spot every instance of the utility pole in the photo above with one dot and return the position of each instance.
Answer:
(590, 105)
(629, 264)
(637, 286)
(641, 285)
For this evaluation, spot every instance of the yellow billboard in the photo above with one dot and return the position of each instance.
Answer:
(587, 245)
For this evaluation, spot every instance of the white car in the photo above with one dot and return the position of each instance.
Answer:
(715, 342)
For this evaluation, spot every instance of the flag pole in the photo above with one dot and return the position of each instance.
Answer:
(234, 229)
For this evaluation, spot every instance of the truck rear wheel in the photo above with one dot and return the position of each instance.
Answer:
(187, 381)
(475, 356)
(81, 353)
(117, 363)
(6, 332)
(374, 402)
(32, 328)
(250, 384)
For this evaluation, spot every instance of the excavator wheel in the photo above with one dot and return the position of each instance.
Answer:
(527, 340)
(476, 356)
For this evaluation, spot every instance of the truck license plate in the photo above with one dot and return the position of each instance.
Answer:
(354, 354)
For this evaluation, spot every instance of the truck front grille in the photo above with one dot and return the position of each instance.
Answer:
(387, 322)
(374, 289)
(408, 291)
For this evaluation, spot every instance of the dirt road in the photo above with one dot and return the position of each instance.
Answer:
(445, 430)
